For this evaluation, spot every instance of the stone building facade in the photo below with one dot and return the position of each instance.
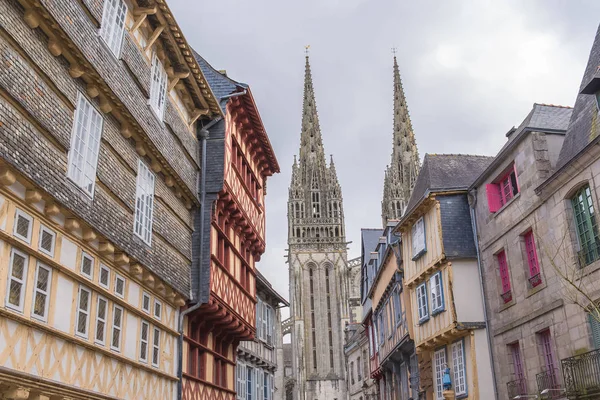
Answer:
(536, 233)
(229, 238)
(440, 266)
(259, 369)
(317, 265)
(99, 161)
(360, 385)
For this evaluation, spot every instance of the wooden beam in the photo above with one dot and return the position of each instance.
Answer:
(155, 166)
(89, 234)
(76, 71)
(173, 83)
(138, 22)
(106, 248)
(159, 29)
(7, 177)
(121, 259)
(198, 112)
(126, 131)
(92, 90)
(144, 10)
(33, 196)
(54, 47)
(105, 105)
(72, 224)
(51, 209)
(32, 18)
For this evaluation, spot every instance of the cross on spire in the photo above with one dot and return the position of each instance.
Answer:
(307, 49)
(394, 51)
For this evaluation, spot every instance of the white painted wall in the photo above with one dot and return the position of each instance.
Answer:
(64, 304)
(467, 291)
(68, 254)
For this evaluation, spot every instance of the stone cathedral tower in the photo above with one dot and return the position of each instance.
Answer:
(317, 265)
(402, 172)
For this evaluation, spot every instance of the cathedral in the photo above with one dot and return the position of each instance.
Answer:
(317, 264)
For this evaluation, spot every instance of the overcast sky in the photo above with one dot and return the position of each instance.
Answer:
(471, 70)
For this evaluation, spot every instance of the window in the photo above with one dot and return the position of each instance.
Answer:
(547, 352)
(144, 203)
(16, 282)
(459, 368)
(270, 324)
(41, 291)
(101, 310)
(502, 190)
(358, 369)
(532, 260)
(422, 303)
(158, 87)
(439, 358)
(87, 265)
(117, 326)
(146, 302)
(587, 229)
(156, 348)
(47, 240)
(418, 238)
(437, 293)
(145, 331)
(240, 374)
(352, 372)
(504, 277)
(515, 352)
(397, 306)
(104, 278)
(250, 389)
(113, 22)
(23, 224)
(119, 285)
(85, 143)
(381, 328)
(83, 312)
(157, 309)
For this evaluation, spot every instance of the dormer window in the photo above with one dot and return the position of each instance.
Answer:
(503, 189)
(418, 238)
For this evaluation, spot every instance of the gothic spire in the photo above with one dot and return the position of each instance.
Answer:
(402, 172)
(311, 143)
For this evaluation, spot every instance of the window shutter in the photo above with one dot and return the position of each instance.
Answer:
(493, 196)
(595, 328)
(503, 272)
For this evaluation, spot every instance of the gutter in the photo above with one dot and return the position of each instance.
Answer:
(203, 134)
(485, 302)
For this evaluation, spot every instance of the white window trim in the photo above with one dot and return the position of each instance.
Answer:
(422, 294)
(45, 229)
(156, 346)
(144, 359)
(20, 213)
(159, 303)
(439, 374)
(104, 268)
(433, 288)
(117, 278)
(118, 328)
(157, 86)
(462, 354)
(146, 310)
(22, 281)
(418, 238)
(103, 320)
(106, 25)
(81, 100)
(83, 256)
(141, 218)
(46, 293)
(86, 312)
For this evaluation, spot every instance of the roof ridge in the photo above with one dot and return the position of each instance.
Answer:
(216, 71)
(552, 105)
(457, 154)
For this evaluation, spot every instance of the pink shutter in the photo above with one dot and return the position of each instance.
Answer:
(503, 272)
(531, 254)
(493, 196)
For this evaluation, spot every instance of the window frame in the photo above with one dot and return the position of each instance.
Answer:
(45, 229)
(532, 259)
(460, 390)
(418, 249)
(421, 292)
(105, 27)
(142, 341)
(106, 285)
(144, 212)
(85, 255)
(46, 293)
(158, 85)
(437, 308)
(146, 295)
(83, 102)
(117, 278)
(22, 281)
(155, 346)
(103, 320)
(29, 218)
(118, 328)
(79, 310)
(503, 269)
(160, 307)
(439, 374)
(584, 218)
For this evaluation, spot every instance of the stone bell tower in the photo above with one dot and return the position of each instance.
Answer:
(317, 264)
(401, 174)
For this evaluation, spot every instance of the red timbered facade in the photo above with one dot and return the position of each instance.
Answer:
(237, 240)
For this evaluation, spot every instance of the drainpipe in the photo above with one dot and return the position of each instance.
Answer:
(202, 135)
(472, 202)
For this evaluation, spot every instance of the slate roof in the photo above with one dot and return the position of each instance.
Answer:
(442, 172)
(547, 118)
(370, 239)
(585, 124)
(220, 84)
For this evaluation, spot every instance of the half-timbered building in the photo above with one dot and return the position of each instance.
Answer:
(257, 362)
(442, 279)
(228, 240)
(99, 103)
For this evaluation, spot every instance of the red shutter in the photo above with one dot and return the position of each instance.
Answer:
(503, 272)
(532, 259)
(493, 196)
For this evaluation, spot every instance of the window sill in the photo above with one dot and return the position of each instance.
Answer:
(418, 255)
(423, 320)
(507, 204)
(506, 306)
(115, 57)
(536, 289)
(84, 195)
(159, 119)
(438, 311)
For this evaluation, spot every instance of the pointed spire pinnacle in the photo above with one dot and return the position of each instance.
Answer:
(311, 143)
(403, 170)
